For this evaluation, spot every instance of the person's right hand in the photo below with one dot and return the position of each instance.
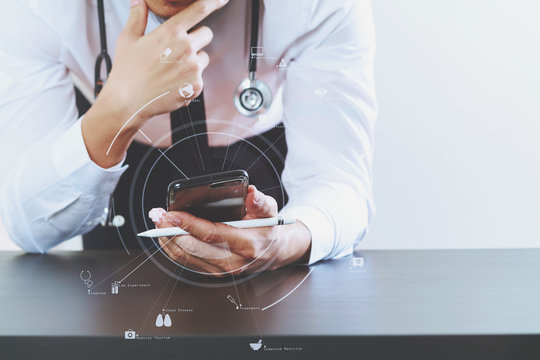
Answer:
(140, 73)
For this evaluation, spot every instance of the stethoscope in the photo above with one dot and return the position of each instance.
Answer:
(252, 97)
(86, 279)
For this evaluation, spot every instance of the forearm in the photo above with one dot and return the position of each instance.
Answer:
(107, 141)
(55, 192)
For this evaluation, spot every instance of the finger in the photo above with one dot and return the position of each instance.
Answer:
(201, 37)
(259, 205)
(203, 59)
(208, 231)
(190, 244)
(194, 13)
(181, 256)
(215, 266)
(138, 15)
(201, 249)
(156, 215)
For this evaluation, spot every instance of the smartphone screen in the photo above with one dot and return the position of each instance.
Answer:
(216, 197)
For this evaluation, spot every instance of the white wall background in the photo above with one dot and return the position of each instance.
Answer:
(458, 139)
(457, 160)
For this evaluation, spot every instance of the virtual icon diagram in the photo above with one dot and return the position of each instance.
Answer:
(357, 261)
(320, 92)
(85, 277)
(130, 334)
(114, 287)
(186, 90)
(256, 346)
(166, 52)
(163, 320)
(233, 301)
(257, 51)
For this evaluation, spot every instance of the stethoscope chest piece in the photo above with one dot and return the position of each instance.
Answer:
(252, 97)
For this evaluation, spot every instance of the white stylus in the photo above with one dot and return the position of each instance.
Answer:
(241, 224)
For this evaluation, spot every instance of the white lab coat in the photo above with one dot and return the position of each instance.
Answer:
(51, 190)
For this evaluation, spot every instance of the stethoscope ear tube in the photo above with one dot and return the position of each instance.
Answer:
(98, 81)
(253, 97)
(104, 54)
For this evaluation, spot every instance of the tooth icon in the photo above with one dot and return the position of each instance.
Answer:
(167, 321)
(159, 321)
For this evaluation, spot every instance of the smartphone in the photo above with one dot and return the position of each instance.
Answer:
(216, 197)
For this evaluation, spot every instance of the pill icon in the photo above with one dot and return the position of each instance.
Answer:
(166, 52)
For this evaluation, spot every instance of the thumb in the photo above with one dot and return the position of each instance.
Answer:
(138, 15)
(259, 205)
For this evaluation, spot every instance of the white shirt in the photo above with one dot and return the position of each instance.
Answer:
(50, 188)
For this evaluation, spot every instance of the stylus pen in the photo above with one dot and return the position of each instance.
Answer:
(241, 224)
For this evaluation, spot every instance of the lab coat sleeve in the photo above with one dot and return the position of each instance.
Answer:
(50, 190)
(330, 110)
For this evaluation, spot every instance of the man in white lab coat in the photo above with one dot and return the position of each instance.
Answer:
(318, 61)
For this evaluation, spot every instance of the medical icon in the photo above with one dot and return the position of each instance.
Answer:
(166, 52)
(159, 320)
(320, 92)
(231, 299)
(167, 321)
(114, 287)
(256, 346)
(85, 277)
(186, 90)
(357, 261)
(163, 320)
(130, 334)
(282, 64)
(257, 51)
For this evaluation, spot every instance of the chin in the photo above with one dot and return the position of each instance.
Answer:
(168, 8)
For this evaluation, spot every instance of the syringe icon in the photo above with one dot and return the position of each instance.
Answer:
(231, 299)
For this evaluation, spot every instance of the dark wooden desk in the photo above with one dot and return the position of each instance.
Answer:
(399, 305)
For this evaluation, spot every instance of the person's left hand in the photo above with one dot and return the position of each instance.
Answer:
(218, 249)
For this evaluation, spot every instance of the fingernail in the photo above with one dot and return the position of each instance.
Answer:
(173, 219)
(156, 214)
(134, 2)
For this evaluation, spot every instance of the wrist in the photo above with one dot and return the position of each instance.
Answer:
(295, 243)
(105, 136)
(119, 106)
